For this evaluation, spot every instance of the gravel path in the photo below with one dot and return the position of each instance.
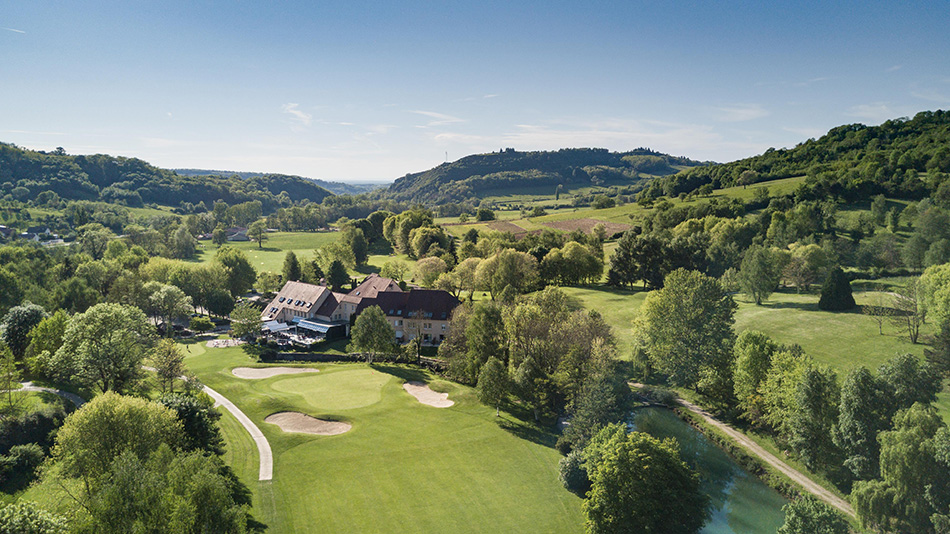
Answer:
(71, 397)
(754, 448)
(266, 471)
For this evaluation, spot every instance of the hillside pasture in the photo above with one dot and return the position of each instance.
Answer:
(270, 256)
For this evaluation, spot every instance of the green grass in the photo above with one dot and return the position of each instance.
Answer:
(618, 306)
(271, 256)
(403, 467)
(842, 340)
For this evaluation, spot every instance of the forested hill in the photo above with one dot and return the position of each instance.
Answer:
(337, 188)
(27, 174)
(512, 172)
(852, 161)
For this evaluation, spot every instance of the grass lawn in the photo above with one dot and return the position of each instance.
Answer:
(618, 306)
(404, 467)
(270, 257)
(841, 340)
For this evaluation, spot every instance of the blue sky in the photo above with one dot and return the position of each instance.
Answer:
(371, 91)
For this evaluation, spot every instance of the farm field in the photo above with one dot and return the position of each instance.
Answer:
(403, 467)
(270, 257)
(626, 214)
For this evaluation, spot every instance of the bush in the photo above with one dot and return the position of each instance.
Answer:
(836, 292)
(572, 474)
(27, 517)
(201, 324)
(659, 395)
(18, 468)
(35, 427)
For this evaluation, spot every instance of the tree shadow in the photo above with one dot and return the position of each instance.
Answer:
(408, 374)
(528, 431)
(804, 306)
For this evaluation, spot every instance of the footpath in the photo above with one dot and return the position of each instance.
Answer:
(755, 449)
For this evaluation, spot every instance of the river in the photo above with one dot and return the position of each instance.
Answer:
(741, 503)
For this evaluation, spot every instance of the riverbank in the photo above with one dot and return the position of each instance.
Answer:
(770, 469)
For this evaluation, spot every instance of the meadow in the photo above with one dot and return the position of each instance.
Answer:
(403, 467)
(270, 256)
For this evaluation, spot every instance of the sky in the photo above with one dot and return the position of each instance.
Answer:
(371, 91)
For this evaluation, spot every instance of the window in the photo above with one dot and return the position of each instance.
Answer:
(427, 326)
(444, 327)
(398, 322)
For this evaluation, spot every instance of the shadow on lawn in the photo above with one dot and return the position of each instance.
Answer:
(528, 431)
(408, 374)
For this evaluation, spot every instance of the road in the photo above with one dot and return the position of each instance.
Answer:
(755, 449)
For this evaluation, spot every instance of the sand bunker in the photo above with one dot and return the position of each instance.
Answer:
(252, 373)
(222, 343)
(426, 396)
(304, 424)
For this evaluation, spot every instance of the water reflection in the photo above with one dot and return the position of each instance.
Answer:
(741, 503)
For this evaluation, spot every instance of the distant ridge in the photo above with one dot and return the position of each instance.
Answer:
(337, 188)
(135, 183)
(512, 172)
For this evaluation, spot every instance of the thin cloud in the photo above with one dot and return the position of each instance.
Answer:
(296, 114)
(807, 133)
(894, 68)
(32, 132)
(12, 30)
(439, 119)
(876, 112)
(493, 95)
(931, 95)
(740, 112)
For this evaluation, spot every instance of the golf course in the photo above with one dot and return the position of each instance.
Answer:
(403, 466)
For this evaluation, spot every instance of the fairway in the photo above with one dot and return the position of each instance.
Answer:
(404, 466)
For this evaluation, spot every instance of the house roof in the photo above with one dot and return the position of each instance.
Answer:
(296, 296)
(370, 287)
(416, 303)
(330, 304)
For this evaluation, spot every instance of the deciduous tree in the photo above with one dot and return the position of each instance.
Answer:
(104, 347)
(372, 334)
(808, 515)
(640, 484)
(493, 383)
(687, 327)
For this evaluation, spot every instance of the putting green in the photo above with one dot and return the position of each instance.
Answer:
(333, 391)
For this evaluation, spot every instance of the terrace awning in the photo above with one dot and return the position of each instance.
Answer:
(321, 328)
(274, 326)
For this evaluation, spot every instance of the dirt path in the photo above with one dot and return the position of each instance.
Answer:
(754, 448)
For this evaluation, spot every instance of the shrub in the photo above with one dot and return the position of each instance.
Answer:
(836, 292)
(18, 468)
(572, 474)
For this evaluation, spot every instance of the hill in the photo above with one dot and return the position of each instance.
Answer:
(337, 188)
(500, 173)
(28, 174)
(852, 161)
